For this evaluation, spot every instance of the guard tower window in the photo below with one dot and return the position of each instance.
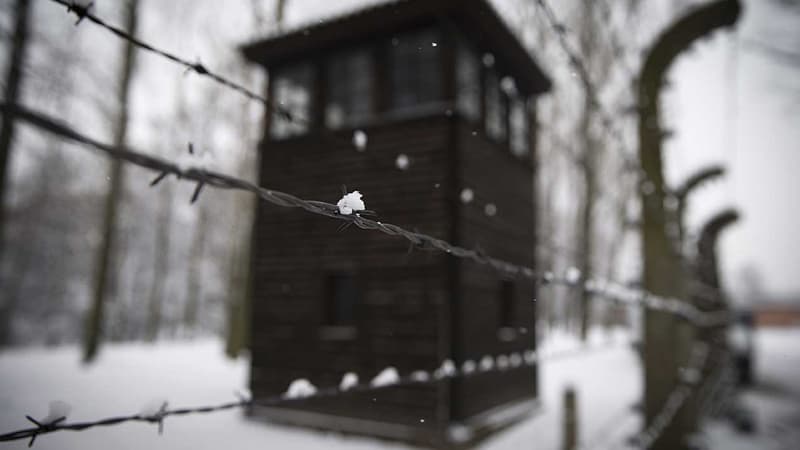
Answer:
(292, 91)
(349, 88)
(496, 108)
(519, 127)
(343, 297)
(416, 69)
(468, 82)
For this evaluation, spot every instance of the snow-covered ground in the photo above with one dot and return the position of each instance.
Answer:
(774, 400)
(129, 377)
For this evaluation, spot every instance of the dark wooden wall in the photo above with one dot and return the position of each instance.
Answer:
(404, 311)
(417, 308)
(497, 177)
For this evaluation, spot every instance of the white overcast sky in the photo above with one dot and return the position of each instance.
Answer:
(758, 108)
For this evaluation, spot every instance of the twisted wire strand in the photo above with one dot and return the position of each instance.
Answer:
(447, 370)
(84, 12)
(606, 117)
(607, 289)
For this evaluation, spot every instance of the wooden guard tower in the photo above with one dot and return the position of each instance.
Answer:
(445, 96)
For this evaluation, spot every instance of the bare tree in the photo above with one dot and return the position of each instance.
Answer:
(13, 89)
(237, 322)
(94, 319)
(598, 60)
(160, 264)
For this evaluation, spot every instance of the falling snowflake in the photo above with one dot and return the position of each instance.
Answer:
(490, 209)
(360, 140)
(467, 195)
(402, 162)
(508, 85)
(350, 203)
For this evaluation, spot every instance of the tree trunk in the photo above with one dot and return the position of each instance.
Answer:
(280, 9)
(160, 265)
(94, 319)
(195, 274)
(238, 306)
(589, 157)
(13, 82)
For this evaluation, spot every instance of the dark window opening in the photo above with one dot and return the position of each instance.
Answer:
(293, 93)
(496, 108)
(506, 304)
(416, 69)
(342, 300)
(468, 82)
(349, 89)
(519, 124)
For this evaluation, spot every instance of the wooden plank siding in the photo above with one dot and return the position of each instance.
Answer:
(404, 295)
(497, 177)
(417, 307)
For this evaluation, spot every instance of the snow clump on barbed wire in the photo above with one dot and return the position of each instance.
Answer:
(351, 203)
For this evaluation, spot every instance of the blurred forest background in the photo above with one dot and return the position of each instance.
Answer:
(91, 253)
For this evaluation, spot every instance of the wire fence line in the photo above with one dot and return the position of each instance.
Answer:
(387, 378)
(83, 11)
(607, 289)
(606, 117)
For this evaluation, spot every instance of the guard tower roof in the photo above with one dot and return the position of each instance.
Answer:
(476, 18)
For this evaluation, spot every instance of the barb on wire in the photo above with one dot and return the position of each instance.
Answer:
(603, 288)
(446, 370)
(156, 418)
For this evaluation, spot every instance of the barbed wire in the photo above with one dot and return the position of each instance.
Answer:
(387, 378)
(606, 117)
(83, 11)
(603, 288)
(610, 290)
